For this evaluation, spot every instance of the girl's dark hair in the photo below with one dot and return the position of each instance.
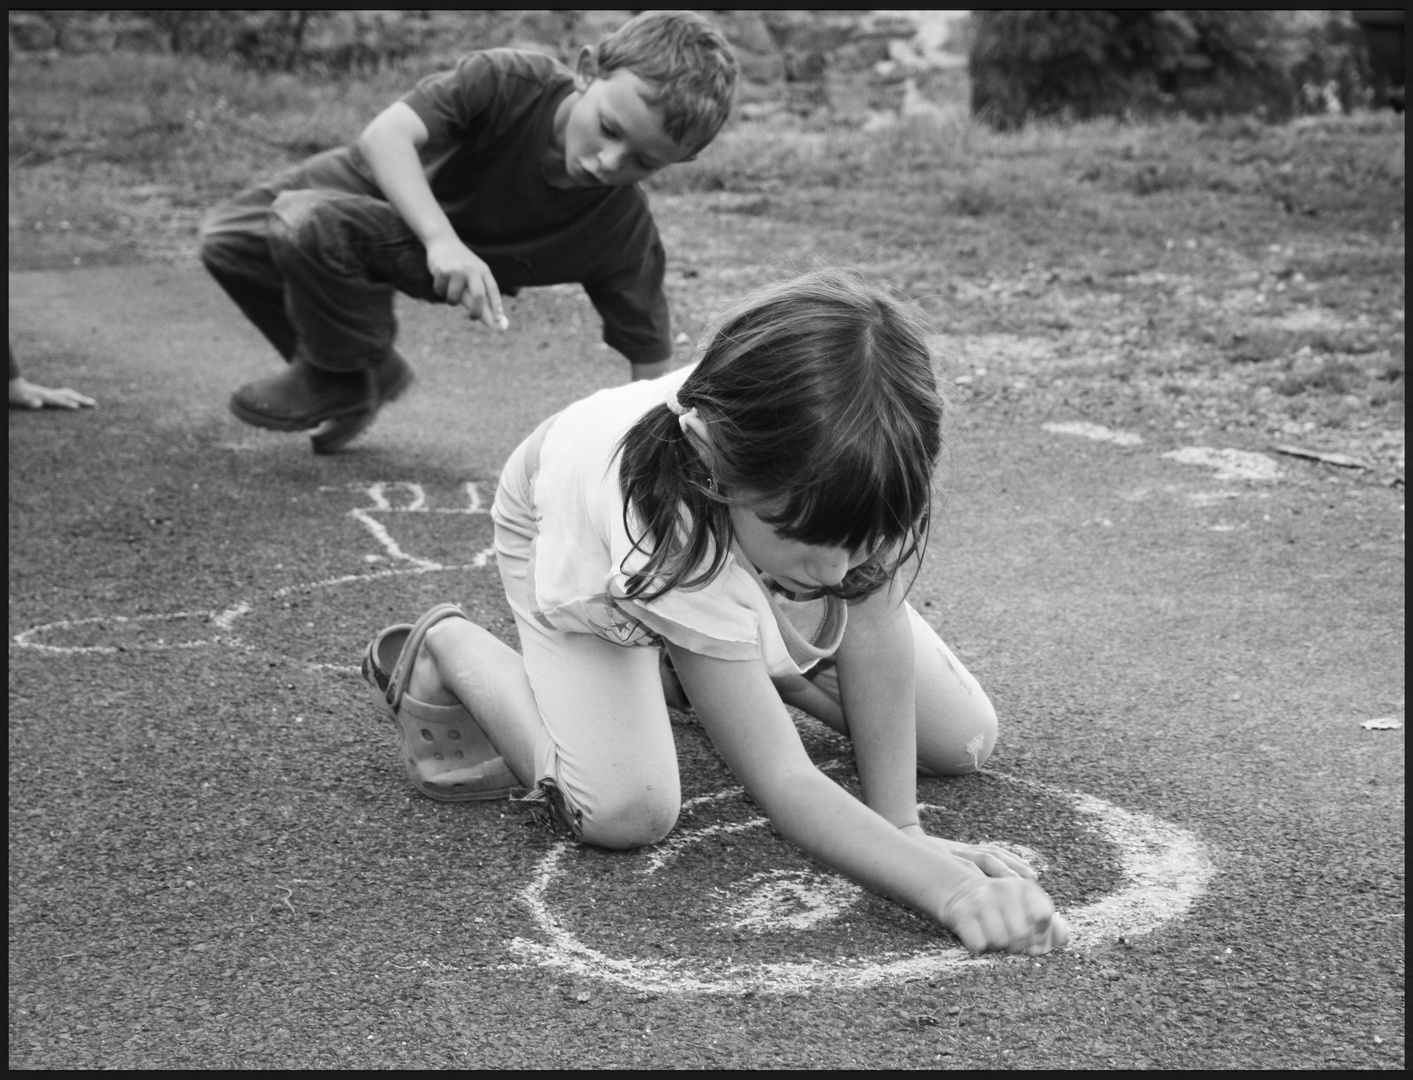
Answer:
(821, 402)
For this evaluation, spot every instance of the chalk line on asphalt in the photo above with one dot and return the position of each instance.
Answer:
(1166, 870)
(382, 497)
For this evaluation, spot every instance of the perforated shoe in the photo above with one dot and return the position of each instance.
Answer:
(445, 752)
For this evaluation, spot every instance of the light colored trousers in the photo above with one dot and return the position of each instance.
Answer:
(607, 753)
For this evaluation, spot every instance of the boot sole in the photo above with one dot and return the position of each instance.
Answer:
(348, 428)
(289, 423)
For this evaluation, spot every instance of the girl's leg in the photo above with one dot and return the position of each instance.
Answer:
(956, 723)
(579, 718)
(576, 716)
(610, 755)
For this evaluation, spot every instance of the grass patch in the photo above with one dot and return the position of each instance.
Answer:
(179, 117)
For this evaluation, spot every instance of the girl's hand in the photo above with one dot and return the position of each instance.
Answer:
(1005, 914)
(460, 276)
(991, 860)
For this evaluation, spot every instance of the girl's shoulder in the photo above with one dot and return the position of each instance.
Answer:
(580, 449)
(612, 411)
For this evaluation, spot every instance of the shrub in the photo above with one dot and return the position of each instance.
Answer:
(1080, 64)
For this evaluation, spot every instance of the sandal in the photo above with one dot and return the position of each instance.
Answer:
(447, 755)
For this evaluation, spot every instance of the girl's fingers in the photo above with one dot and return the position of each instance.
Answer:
(1011, 916)
(995, 862)
(993, 866)
(1059, 935)
(973, 935)
(1016, 864)
(1045, 926)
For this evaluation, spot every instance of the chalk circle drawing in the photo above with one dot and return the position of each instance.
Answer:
(381, 500)
(1166, 869)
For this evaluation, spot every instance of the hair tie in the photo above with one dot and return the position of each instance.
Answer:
(683, 415)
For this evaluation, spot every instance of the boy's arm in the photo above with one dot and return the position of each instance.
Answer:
(389, 144)
(740, 710)
(633, 304)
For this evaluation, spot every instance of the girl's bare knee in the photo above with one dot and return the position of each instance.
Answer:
(630, 823)
(963, 745)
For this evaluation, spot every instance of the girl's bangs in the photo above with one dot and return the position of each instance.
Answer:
(855, 508)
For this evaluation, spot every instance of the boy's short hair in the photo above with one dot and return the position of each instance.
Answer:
(689, 64)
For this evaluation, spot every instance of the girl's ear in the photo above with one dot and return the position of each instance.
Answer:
(700, 438)
(586, 68)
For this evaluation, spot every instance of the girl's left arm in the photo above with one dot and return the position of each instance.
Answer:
(878, 685)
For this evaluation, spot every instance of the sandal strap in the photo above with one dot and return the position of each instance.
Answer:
(402, 670)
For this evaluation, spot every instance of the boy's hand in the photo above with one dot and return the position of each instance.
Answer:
(460, 276)
(1007, 914)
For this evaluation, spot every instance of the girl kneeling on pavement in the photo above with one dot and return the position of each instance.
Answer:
(758, 516)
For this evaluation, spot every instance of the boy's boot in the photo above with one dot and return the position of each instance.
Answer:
(390, 378)
(304, 396)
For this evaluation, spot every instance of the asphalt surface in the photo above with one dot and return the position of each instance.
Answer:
(215, 860)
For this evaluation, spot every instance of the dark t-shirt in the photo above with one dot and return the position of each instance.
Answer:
(489, 121)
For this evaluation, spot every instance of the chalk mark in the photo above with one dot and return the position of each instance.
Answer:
(381, 497)
(1166, 868)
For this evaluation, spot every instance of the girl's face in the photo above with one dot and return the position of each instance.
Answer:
(798, 566)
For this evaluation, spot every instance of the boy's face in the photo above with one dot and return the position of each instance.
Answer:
(612, 136)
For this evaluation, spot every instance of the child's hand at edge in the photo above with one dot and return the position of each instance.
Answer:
(460, 276)
(27, 395)
(1006, 914)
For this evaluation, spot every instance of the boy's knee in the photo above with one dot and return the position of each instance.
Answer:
(630, 821)
(298, 217)
(217, 245)
(965, 745)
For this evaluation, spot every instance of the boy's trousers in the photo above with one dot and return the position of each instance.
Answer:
(313, 257)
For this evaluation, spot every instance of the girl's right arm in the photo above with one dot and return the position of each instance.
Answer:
(389, 144)
(741, 711)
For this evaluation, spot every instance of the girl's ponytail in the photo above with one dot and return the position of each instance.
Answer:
(670, 490)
